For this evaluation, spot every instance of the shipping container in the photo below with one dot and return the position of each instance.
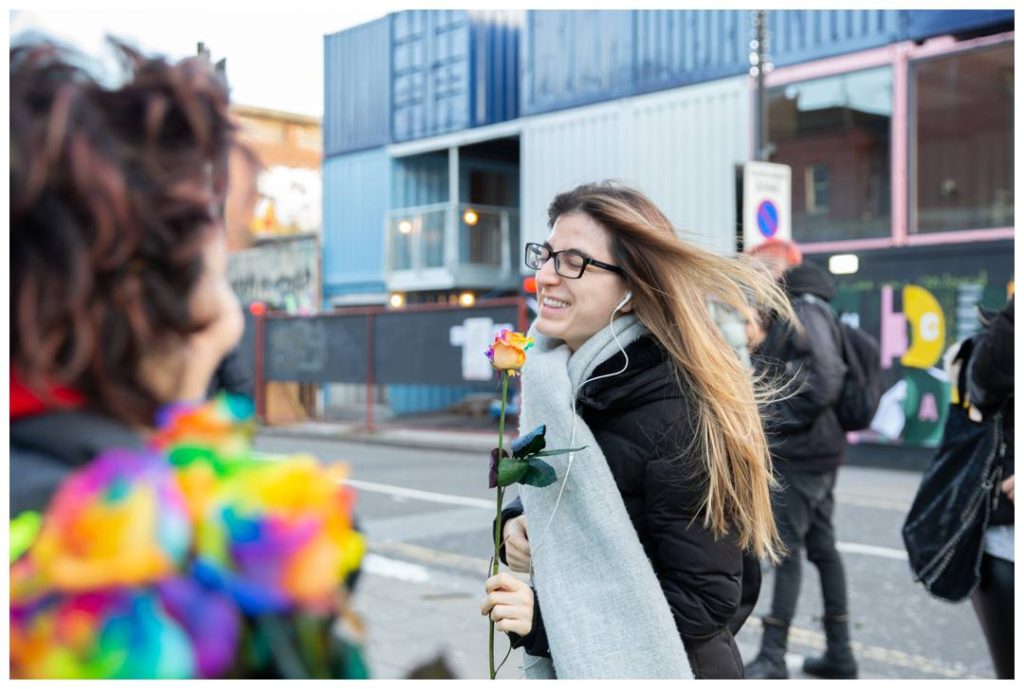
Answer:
(679, 147)
(680, 47)
(356, 197)
(453, 70)
(922, 24)
(576, 57)
(796, 36)
(357, 88)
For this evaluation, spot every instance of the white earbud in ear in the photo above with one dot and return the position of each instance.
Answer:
(625, 299)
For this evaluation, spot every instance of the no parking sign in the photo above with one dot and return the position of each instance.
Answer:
(766, 203)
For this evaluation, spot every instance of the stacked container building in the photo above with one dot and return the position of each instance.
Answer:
(897, 125)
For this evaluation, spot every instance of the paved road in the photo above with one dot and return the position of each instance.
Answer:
(427, 516)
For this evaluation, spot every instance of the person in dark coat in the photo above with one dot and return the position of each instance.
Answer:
(647, 411)
(807, 445)
(990, 389)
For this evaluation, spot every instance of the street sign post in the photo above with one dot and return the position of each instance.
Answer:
(766, 203)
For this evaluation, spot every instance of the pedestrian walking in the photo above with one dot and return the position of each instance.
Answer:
(636, 551)
(807, 447)
(990, 389)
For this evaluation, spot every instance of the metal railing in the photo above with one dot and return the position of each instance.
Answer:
(450, 245)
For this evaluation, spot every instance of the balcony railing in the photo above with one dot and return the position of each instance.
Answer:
(447, 245)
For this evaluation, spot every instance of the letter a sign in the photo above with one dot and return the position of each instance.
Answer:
(766, 203)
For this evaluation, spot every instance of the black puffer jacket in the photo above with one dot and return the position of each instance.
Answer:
(643, 425)
(802, 427)
(47, 447)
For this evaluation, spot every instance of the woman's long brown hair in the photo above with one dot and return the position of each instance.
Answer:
(671, 281)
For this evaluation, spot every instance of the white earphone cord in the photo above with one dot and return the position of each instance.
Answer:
(572, 433)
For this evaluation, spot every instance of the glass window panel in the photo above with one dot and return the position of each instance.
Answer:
(963, 141)
(835, 134)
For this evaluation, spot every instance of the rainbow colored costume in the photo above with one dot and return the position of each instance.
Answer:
(197, 558)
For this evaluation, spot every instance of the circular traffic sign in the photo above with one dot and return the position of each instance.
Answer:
(767, 219)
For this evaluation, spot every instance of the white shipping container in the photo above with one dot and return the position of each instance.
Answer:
(679, 147)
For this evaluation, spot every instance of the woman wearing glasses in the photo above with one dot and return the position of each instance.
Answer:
(636, 552)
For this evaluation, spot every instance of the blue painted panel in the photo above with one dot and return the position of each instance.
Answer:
(356, 188)
(680, 47)
(357, 88)
(922, 24)
(419, 399)
(453, 70)
(803, 35)
(419, 180)
(575, 57)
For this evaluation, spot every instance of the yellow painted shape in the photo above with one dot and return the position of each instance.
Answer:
(928, 328)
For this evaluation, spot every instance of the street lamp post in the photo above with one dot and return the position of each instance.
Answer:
(760, 64)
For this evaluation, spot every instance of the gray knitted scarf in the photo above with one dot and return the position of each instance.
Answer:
(604, 610)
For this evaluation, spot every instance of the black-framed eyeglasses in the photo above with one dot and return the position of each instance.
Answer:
(569, 263)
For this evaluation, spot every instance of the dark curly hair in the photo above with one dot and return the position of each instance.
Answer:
(114, 193)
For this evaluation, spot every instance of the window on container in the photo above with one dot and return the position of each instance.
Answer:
(835, 133)
(962, 141)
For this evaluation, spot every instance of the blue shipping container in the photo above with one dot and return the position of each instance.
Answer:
(355, 194)
(573, 57)
(796, 36)
(453, 70)
(357, 88)
(680, 47)
(922, 24)
(576, 57)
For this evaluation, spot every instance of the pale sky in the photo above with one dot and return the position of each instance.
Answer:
(274, 58)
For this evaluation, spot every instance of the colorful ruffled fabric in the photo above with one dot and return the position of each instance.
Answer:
(154, 564)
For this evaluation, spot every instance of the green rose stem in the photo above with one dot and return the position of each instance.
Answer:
(497, 519)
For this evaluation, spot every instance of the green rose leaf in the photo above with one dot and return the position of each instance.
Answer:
(529, 444)
(540, 473)
(511, 471)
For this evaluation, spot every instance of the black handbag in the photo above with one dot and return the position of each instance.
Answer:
(945, 529)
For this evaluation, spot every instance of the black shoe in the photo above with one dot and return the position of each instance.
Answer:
(838, 661)
(763, 667)
(828, 668)
(770, 663)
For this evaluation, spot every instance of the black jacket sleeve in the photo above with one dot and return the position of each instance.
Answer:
(990, 368)
(536, 642)
(813, 371)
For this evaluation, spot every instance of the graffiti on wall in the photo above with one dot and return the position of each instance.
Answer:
(917, 323)
(289, 201)
(285, 275)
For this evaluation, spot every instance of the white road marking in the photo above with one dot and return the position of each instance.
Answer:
(427, 496)
(395, 569)
(878, 551)
(445, 499)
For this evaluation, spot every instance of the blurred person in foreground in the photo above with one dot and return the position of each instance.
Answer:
(146, 539)
(990, 389)
(807, 445)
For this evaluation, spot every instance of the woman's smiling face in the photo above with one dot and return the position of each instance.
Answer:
(574, 310)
